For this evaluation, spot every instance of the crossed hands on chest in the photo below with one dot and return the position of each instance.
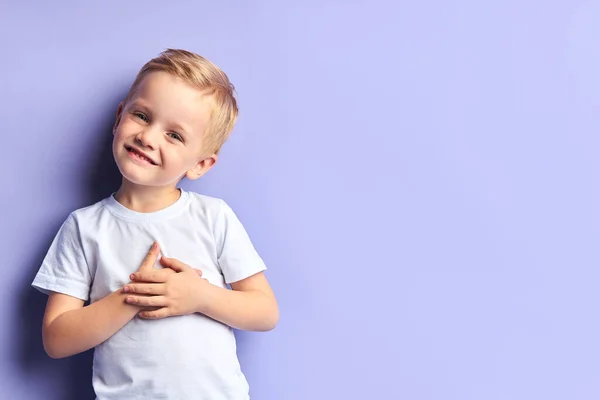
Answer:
(177, 289)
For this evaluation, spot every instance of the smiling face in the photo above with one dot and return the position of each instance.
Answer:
(159, 131)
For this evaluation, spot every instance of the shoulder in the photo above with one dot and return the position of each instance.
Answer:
(88, 213)
(210, 206)
(205, 200)
(214, 211)
(89, 210)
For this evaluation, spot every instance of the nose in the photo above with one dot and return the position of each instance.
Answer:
(147, 138)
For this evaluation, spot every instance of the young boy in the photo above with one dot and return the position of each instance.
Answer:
(172, 124)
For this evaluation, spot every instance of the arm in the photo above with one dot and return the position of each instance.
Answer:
(251, 305)
(70, 328)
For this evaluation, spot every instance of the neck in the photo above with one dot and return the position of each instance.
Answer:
(146, 199)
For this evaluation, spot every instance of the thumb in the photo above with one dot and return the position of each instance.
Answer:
(174, 264)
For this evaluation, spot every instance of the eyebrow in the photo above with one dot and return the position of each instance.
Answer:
(139, 103)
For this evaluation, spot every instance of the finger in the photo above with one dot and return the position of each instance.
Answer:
(174, 264)
(151, 276)
(151, 257)
(145, 288)
(147, 301)
(150, 308)
(156, 314)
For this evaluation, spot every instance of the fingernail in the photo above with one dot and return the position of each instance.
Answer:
(153, 246)
(132, 276)
(126, 289)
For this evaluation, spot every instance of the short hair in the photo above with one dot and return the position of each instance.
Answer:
(206, 76)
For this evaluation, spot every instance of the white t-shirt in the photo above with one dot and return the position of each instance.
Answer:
(183, 357)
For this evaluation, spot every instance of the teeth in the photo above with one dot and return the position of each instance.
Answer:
(141, 155)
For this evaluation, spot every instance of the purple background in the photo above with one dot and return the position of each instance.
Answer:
(421, 179)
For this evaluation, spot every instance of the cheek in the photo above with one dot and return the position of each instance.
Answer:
(118, 132)
(177, 159)
(126, 125)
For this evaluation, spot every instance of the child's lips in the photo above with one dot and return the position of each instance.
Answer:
(140, 154)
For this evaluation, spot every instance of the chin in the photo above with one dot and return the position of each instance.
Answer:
(142, 178)
(135, 175)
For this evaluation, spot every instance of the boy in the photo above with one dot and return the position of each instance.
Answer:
(172, 124)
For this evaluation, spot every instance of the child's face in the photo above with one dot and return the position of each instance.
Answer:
(165, 120)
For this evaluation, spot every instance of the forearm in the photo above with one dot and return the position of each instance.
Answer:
(78, 330)
(250, 310)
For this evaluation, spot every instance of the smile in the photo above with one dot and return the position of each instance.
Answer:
(139, 155)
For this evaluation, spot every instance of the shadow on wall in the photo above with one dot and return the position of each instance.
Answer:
(74, 373)
(72, 377)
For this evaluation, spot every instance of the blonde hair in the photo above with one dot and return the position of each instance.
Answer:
(206, 76)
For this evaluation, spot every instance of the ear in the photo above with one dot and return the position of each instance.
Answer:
(118, 118)
(201, 167)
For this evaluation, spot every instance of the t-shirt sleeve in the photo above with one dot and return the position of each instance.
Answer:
(237, 257)
(64, 269)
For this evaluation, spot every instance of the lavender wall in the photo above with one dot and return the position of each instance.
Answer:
(421, 178)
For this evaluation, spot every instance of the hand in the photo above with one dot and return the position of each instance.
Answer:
(176, 290)
(150, 260)
(147, 265)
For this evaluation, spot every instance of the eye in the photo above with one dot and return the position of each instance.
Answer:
(176, 136)
(141, 116)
